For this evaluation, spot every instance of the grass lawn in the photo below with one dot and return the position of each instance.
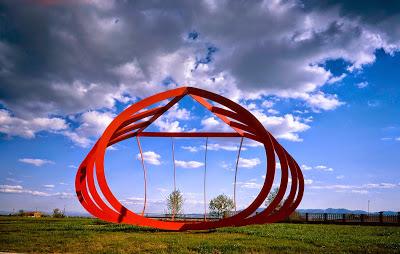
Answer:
(77, 235)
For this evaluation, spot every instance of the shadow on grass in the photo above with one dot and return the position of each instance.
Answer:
(99, 226)
(121, 228)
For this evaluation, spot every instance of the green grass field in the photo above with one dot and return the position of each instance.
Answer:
(76, 235)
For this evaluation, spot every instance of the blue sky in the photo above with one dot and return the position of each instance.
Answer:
(323, 78)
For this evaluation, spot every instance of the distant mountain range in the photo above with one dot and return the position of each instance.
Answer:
(337, 210)
(341, 211)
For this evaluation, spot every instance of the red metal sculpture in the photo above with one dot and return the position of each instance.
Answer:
(130, 124)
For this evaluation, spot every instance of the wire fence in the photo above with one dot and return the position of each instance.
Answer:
(297, 217)
(183, 217)
(373, 218)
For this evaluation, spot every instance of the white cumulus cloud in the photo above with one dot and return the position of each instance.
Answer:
(150, 157)
(248, 163)
(35, 162)
(188, 164)
(323, 168)
(14, 126)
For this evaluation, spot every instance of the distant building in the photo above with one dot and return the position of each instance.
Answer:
(33, 214)
(37, 214)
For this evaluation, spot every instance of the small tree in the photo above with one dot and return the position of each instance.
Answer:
(221, 206)
(175, 203)
(271, 196)
(57, 213)
(21, 212)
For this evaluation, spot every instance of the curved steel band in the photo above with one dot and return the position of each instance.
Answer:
(128, 124)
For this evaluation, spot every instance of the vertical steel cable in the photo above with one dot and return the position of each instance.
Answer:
(173, 161)
(144, 175)
(204, 181)
(174, 193)
(236, 170)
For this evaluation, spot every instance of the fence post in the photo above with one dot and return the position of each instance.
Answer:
(362, 217)
(325, 217)
(380, 217)
(307, 217)
(398, 217)
(344, 217)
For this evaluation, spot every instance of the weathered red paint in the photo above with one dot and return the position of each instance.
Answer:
(128, 124)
